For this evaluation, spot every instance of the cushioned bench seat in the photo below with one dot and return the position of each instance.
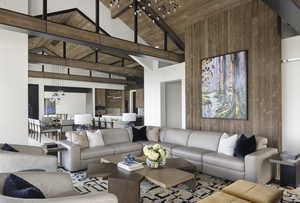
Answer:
(127, 147)
(98, 151)
(224, 161)
(107, 150)
(190, 153)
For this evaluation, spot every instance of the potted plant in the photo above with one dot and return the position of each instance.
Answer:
(155, 156)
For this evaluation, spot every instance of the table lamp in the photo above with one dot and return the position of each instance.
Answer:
(83, 121)
(129, 117)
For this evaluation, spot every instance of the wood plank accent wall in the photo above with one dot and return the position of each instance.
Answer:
(251, 26)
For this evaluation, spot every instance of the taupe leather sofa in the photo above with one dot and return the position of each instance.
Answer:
(28, 158)
(198, 147)
(57, 188)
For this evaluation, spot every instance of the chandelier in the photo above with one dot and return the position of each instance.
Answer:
(59, 94)
(162, 7)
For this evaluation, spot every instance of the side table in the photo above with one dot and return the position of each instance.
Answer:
(289, 170)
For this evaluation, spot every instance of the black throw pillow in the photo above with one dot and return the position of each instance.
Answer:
(245, 145)
(17, 187)
(139, 134)
(7, 147)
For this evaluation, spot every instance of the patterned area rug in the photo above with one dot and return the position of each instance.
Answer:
(206, 185)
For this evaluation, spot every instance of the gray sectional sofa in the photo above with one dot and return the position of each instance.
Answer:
(198, 147)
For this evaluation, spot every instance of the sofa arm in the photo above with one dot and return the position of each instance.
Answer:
(29, 149)
(101, 197)
(257, 166)
(17, 161)
(71, 158)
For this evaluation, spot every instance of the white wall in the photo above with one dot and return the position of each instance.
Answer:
(153, 97)
(172, 108)
(13, 80)
(71, 104)
(291, 94)
(90, 102)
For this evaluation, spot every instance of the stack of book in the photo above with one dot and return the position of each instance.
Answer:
(130, 166)
(289, 156)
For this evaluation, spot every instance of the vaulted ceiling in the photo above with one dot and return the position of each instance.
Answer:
(190, 12)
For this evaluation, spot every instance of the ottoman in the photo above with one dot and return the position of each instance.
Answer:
(221, 197)
(253, 192)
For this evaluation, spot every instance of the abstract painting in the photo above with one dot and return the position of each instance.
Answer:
(224, 86)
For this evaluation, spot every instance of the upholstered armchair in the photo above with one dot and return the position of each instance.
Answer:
(56, 187)
(27, 158)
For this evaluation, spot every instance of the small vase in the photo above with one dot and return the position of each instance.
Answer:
(156, 164)
(152, 164)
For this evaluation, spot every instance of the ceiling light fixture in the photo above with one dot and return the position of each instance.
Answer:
(162, 8)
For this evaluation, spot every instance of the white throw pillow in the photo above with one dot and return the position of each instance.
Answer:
(95, 138)
(227, 144)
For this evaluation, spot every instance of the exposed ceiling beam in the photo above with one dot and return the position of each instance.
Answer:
(43, 49)
(117, 55)
(118, 11)
(34, 26)
(117, 70)
(59, 76)
(151, 13)
(288, 11)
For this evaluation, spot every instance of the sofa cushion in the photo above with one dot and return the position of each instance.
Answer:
(227, 144)
(204, 140)
(147, 143)
(95, 138)
(190, 153)
(244, 146)
(261, 142)
(175, 136)
(139, 134)
(153, 133)
(79, 138)
(98, 151)
(17, 187)
(169, 147)
(224, 161)
(7, 147)
(115, 136)
(127, 147)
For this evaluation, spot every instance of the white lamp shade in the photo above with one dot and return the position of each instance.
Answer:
(83, 119)
(129, 117)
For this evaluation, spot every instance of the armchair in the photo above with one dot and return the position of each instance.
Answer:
(57, 188)
(28, 158)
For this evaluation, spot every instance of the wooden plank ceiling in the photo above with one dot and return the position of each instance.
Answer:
(190, 12)
(77, 19)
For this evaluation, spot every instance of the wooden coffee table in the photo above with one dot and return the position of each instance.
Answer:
(126, 185)
(174, 173)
